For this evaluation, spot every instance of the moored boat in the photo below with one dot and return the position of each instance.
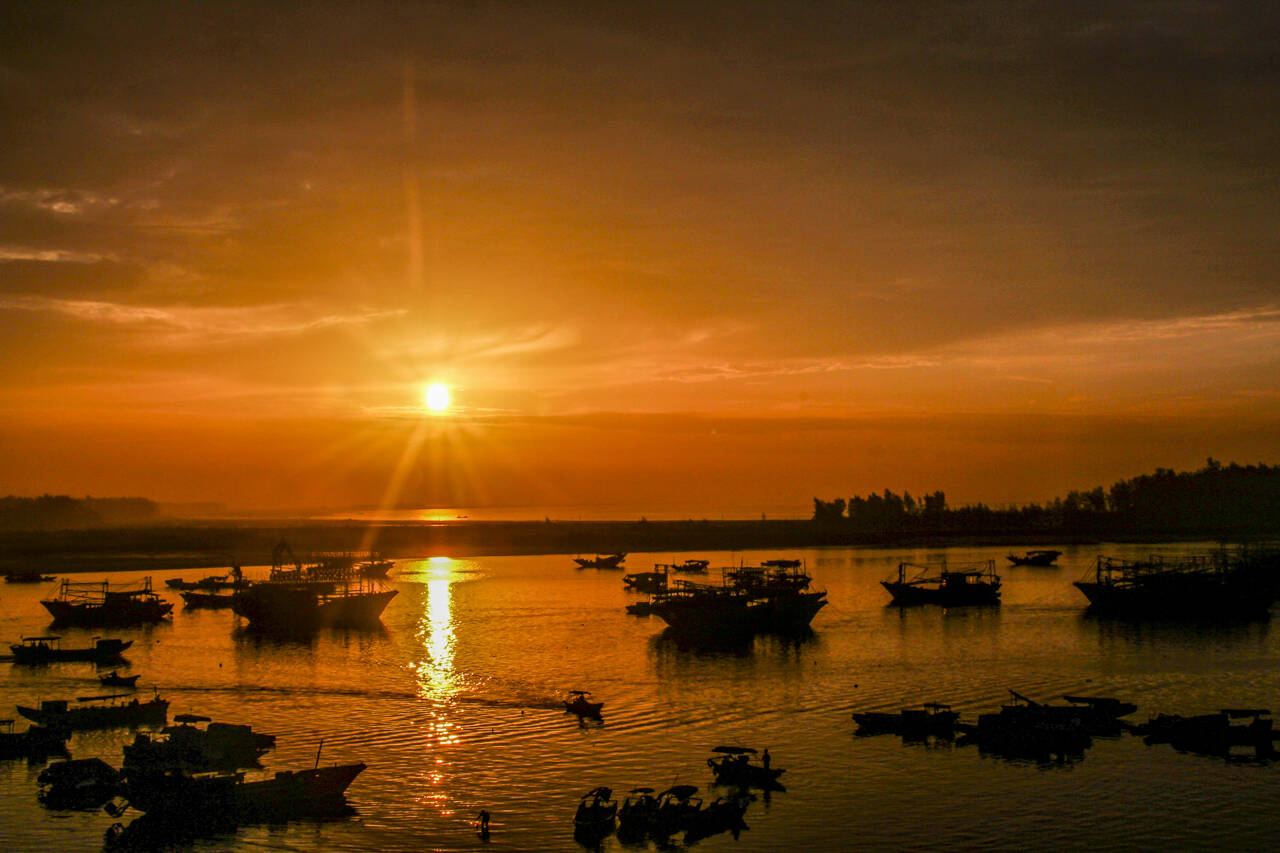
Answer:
(1025, 729)
(748, 601)
(94, 603)
(931, 718)
(97, 712)
(601, 561)
(971, 584)
(732, 765)
(1040, 557)
(655, 581)
(595, 819)
(37, 742)
(195, 600)
(48, 649)
(1222, 584)
(640, 608)
(688, 567)
(232, 796)
(27, 575)
(306, 606)
(78, 783)
(115, 679)
(232, 580)
(186, 746)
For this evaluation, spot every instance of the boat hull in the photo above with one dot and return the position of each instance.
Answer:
(125, 613)
(105, 651)
(208, 600)
(1186, 599)
(967, 595)
(282, 796)
(290, 607)
(740, 615)
(133, 713)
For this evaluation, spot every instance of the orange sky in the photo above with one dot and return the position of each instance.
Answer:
(739, 256)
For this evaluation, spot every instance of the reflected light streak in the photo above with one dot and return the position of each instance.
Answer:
(437, 679)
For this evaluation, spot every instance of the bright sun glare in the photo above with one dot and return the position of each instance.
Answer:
(437, 397)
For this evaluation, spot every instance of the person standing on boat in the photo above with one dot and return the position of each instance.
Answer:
(764, 759)
(483, 817)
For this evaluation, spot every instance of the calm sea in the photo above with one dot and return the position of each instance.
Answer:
(455, 706)
(596, 512)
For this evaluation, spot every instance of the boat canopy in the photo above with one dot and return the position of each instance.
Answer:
(191, 718)
(680, 792)
(733, 750)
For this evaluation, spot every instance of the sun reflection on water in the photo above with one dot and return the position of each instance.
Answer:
(437, 678)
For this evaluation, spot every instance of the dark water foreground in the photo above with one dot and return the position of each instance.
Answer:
(455, 706)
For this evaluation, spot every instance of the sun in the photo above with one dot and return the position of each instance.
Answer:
(437, 397)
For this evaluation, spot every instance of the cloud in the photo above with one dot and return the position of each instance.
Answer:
(56, 200)
(191, 325)
(53, 256)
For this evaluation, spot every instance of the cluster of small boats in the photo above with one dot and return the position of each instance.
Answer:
(1242, 583)
(184, 777)
(647, 814)
(773, 597)
(330, 589)
(1029, 730)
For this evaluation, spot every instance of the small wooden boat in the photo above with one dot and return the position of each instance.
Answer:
(597, 816)
(208, 600)
(931, 718)
(115, 679)
(1043, 557)
(78, 783)
(601, 561)
(27, 576)
(655, 581)
(732, 766)
(640, 608)
(61, 714)
(688, 567)
(580, 704)
(35, 743)
(48, 649)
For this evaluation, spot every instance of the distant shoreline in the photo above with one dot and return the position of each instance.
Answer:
(217, 544)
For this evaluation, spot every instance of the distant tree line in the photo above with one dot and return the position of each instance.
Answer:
(1216, 500)
(61, 512)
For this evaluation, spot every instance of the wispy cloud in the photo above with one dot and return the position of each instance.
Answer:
(184, 325)
(57, 200)
(53, 256)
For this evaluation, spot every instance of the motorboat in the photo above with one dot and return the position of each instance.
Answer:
(115, 679)
(579, 703)
(48, 649)
(732, 765)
